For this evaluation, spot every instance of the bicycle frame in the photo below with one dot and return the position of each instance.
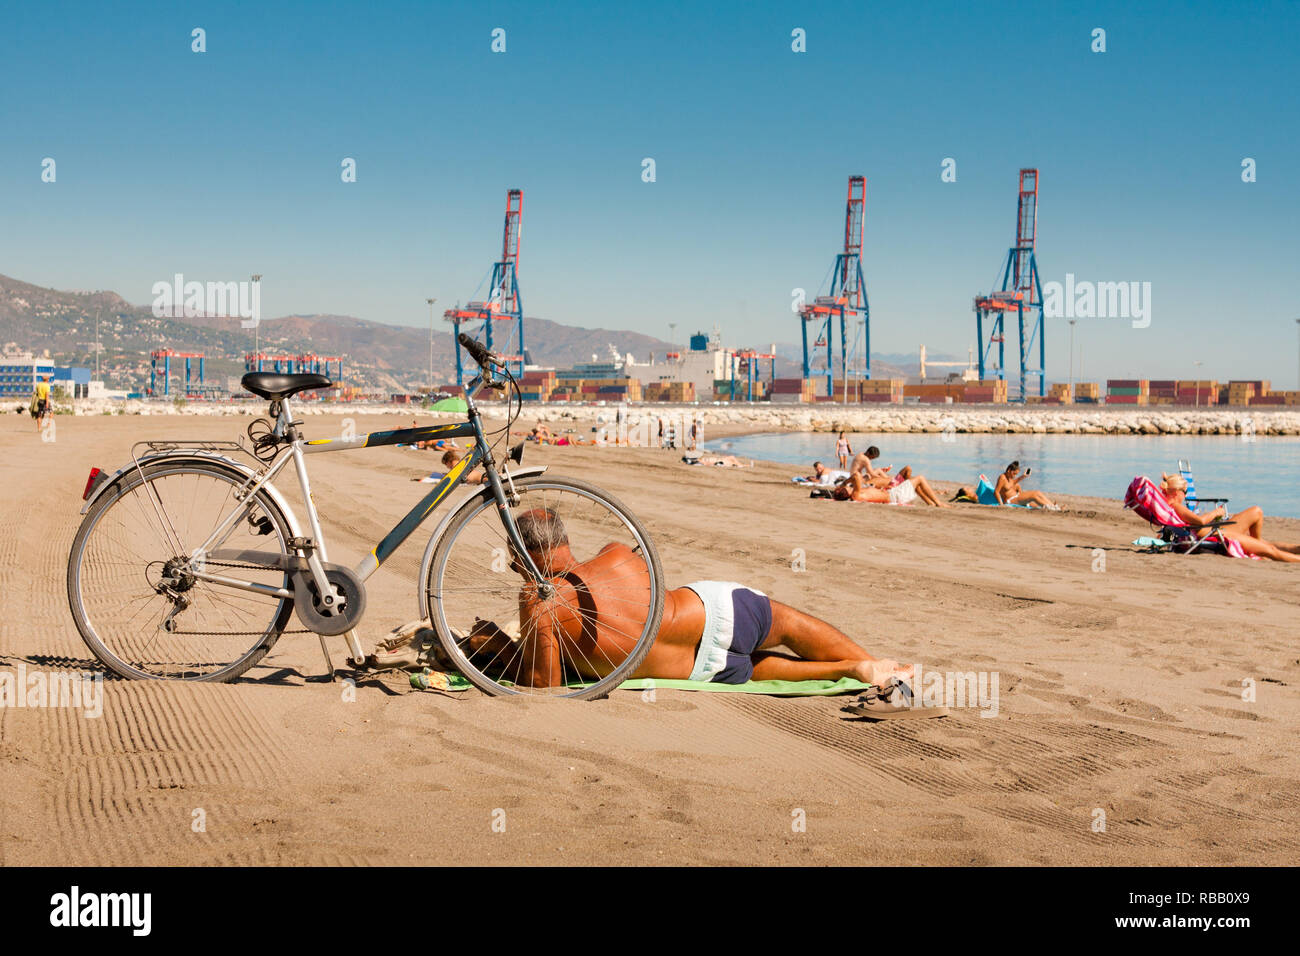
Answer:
(479, 453)
(304, 550)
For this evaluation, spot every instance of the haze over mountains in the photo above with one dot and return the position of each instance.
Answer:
(377, 355)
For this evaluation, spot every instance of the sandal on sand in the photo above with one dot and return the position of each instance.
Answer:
(892, 701)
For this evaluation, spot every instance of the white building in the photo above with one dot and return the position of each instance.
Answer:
(703, 363)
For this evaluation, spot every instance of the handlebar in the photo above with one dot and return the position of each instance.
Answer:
(485, 359)
(476, 350)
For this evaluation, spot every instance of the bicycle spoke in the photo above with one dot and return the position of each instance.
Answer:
(595, 631)
(136, 596)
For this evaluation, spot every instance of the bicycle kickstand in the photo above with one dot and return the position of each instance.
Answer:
(329, 664)
(356, 656)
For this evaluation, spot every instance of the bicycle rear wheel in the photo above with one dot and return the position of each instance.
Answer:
(131, 587)
(470, 579)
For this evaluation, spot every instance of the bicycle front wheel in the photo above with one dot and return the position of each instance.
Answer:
(131, 574)
(613, 569)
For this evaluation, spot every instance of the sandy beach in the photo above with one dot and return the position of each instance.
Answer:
(1120, 673)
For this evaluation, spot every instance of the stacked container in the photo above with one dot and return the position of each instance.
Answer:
(790, 390)
(1087, 392)
(1198, 392)
(880, 390)
(1127, 391)
(1163, 392)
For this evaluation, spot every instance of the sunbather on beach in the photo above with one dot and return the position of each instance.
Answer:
(856, 488)
(819, 473)
(1009, 492)
(729, 461)
(1247, 527)
(864, 462)
(711, 630)
(452, 456)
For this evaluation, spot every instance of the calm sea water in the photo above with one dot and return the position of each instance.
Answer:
(1262, 472)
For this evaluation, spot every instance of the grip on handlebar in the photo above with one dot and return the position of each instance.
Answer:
(475, 348)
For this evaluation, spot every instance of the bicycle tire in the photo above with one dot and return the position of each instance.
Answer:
(472, 508)
(128, 483)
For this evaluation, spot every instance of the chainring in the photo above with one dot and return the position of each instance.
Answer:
(349, 606)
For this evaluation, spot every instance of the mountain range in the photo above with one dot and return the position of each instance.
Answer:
(377, 356)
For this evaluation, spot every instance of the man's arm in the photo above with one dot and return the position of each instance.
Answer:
(537, 662)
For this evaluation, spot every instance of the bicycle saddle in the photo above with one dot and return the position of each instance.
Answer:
(274, 386)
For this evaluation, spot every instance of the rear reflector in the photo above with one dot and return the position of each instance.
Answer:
(96, 478)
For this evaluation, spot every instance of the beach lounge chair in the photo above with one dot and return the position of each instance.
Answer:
(1194, 502)
(1147, 501)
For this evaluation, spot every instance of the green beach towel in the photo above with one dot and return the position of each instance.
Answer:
(773, 688)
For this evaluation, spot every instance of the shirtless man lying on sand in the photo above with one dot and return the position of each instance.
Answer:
(711, 630)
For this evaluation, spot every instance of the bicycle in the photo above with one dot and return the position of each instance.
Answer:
(189, 561)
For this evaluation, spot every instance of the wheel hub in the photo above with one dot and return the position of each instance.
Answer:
(177, 576)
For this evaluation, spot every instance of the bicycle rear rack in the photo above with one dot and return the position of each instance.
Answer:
(159, 447)
(154, 447)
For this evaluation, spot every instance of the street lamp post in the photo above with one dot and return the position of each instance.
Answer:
(431, 302)
(1070, 377)
(257, 338)
(1197, 385)
(1297, 361)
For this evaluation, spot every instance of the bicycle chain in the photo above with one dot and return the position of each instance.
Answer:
(245, 567)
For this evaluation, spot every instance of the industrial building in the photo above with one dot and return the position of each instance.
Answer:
(18, 374)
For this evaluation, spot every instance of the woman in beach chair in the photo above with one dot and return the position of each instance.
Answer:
(1240, 533)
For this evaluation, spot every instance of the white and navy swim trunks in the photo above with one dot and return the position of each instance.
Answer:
(737, 620)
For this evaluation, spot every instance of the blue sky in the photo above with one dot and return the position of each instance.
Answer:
(228, 162)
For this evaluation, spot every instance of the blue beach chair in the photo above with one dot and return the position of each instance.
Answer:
(1194, 502)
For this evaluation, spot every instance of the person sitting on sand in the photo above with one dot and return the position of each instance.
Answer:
(1009, 492)
(714, 631)
(541, 434)
(1247, 527)
(879, 477)
(856, 488)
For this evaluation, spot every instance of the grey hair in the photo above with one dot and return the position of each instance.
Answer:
(542, 530)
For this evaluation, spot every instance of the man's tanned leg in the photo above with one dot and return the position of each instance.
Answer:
(827, 653)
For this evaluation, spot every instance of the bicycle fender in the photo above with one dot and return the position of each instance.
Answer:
(198, 456)
(531, 471)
